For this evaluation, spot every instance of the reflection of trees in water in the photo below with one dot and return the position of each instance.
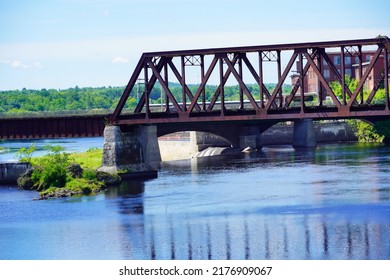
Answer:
(129, 199)
(257, 237)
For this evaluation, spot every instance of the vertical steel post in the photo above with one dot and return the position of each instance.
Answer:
(222, 90)
(279, 77)
(261, 79)
(202, 77)
(302, 83)
(319, 85)
(146, 90)
(240, 89)
(167, 83)
(342, 65)
(360, 72)
(183, 83)
(386, 72)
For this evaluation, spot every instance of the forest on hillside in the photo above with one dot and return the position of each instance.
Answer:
(104, 99)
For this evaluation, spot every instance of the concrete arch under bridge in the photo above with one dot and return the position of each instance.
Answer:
(237, 134)
(200, 137)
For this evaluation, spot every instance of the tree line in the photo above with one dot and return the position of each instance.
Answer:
(72, 99)
(20, 102)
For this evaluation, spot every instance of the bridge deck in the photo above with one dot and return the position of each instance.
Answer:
(52, 127)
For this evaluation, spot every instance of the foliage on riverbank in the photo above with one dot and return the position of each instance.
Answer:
(59, 174)
(364, 131)
(383, 128)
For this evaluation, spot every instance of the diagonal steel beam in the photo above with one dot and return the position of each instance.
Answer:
(322, 80)
(225, 78)
(202, 85)
(255, 75)
(164, 84)
(150, 83)
(375, 89)
(334, 70)
(180, 78)
(281, 81)
(240, 82)
(126, 93)
(377, 85)
(365, 76)
(296, 86)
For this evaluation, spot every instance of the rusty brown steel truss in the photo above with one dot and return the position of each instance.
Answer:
(223, 63)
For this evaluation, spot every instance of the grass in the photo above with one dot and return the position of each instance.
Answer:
(91, 159)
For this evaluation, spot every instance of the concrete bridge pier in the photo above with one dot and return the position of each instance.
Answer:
(147, 136)
(304, 136)
(131, 150)
(250, 136)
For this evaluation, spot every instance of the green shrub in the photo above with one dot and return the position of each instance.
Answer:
(89, 174)
(383, 128)
(25, 154)
(365, 132)
(83, 186)
(51, 170)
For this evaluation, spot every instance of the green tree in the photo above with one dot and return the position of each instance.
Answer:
(51, 170)
(365, 132)
(350, 83)
(25, 154)
(383, 128)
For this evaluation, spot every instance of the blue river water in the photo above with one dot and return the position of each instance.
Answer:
(331, 203)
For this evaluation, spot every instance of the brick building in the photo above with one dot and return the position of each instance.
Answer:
(311, 82)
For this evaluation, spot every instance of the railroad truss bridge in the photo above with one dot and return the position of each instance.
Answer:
(256, 108)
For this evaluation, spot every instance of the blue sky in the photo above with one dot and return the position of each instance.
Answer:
(64, 43)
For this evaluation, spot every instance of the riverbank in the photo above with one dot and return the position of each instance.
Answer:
(59, 174)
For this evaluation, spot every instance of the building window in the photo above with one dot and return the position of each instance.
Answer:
(326, 74)
(368, 58)
(348, 72)
(347, 60)
(336, 60)
(356, 59)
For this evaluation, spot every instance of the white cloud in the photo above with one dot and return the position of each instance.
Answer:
(17, 64)
(120, 60)
(37, 65)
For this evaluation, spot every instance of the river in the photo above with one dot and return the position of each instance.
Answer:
(332, 203)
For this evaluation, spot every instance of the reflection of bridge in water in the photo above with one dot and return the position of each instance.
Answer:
(285, 232)
(255, 236)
